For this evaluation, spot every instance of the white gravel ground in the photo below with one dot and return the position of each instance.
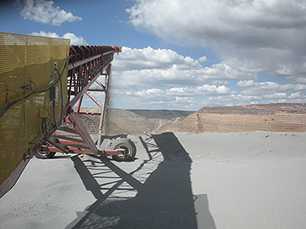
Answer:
(221, 180)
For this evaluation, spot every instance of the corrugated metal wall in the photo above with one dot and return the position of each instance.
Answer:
(33, 91)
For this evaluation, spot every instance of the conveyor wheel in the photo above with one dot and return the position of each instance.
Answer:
(44, 154)
(128, 147)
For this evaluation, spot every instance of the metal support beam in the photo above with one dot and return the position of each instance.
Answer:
(86, 65)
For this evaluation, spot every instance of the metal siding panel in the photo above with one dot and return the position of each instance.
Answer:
(26, 67)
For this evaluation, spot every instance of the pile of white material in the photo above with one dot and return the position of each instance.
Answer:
(249, 180)
(252, 180)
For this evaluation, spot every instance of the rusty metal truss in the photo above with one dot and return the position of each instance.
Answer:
(50, 97)
(88, 65)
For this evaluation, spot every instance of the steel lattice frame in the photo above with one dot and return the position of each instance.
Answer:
(86, 65)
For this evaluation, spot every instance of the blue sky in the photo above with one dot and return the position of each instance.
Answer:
(179, 55)
(103, 22)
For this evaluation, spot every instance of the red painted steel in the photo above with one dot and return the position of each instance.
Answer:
(86, 65)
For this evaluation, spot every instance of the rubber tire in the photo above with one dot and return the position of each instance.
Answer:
(126, 144)
(42, 155)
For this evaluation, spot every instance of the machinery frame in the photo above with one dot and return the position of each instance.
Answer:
(87, 64)
(43, 82)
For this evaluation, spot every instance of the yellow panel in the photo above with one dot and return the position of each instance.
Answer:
(28, 81)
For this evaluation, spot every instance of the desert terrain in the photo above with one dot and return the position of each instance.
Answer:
(197, 181)
(120, 121)
(266, 117)
(280, 117)
(216, 168)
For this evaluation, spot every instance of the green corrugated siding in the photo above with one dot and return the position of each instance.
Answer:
(26, 67)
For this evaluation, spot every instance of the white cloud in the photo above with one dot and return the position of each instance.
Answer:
(252, 87)
(45, 34)
(146, 93)
(149, 58)
(74, 40)
(163, 79)
(268, 35)
(272, 91)
(222, 89)
(203, 59)
(46, 12)
(167, 68)
(246, 83)
(296, 95)
(206, 89)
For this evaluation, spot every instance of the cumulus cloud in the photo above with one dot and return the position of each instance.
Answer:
(143, 69)
(246, 83)
(264, 88)
(149, 58)
(45, 34)
(74, 39)
(206, 89)
(272, 91)
(164, 79)
(167, 68)
(46, 12)
(268, 35)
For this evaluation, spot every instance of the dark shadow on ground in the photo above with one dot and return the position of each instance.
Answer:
(60, 156)
(164, 201)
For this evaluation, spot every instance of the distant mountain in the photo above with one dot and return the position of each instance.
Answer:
(262, 117)
(120, 121)
(162, 114)
(258, 109)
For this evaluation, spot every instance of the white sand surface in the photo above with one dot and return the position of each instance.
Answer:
(211, 180)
